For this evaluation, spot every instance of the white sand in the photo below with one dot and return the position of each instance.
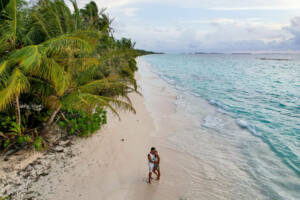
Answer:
(195, 163)
(109, 168)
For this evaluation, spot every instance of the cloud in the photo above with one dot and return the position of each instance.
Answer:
(219, 25)
(294, 29)
(221, 34)
(246, 29)
(216, 4)
(130, 12)
(240, 35)
(256, 8)
(167, 39)
(293, 43)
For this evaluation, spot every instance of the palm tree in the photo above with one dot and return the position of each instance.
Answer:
(12, 38)
(74, 60)
(38, 61)
(61, 57)
(94, 18)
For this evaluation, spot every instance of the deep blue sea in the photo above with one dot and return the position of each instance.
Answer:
(262, 96)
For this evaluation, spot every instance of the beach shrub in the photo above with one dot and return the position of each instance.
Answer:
(5, 198)
(10, 131)
(24, 139)
(13, 134)
(81, 123)
(39, 144)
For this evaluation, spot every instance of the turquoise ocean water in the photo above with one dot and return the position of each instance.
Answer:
(261, 96)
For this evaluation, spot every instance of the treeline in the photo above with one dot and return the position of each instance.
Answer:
(61, 67)
(144, 52)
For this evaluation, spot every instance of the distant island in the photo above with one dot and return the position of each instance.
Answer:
(145, 52)
(208, 53)
(223, 53)
(241, 53)
(277, 59)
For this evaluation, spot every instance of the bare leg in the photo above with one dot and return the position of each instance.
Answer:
(150, 177)
(158, 174)
(155, 172)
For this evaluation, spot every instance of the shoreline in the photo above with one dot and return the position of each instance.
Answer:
(110, 164)
(113, 165)
(228, 160)
(197, 161)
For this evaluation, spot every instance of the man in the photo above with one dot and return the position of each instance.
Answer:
(156, 165)
(151, 160)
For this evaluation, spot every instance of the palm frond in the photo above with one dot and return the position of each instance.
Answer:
(86, 101)
(53, 10)
(78, 65)
(28, 57)
(120, 104)
(11, 11)
(42, 88)
(52, 102)
(76, 15)
(33, 61)
(42, 24)
(112, 83)
(3, 67)
(65, 15)
(83, 40)
(17, 83)
(52, 71)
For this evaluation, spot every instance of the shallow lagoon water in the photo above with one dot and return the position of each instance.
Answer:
(254, 111)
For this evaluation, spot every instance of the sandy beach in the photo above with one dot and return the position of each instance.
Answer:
(112, 164)
(88, 88)
(110, 168)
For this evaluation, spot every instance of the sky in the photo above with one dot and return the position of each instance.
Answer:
(185, 26)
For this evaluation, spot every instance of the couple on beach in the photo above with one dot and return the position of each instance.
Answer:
(154, 160)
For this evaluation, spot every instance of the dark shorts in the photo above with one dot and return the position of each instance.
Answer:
(156, 167)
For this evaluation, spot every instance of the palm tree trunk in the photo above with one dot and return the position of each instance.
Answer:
(63, 117)
(18, 111)
(53, 115)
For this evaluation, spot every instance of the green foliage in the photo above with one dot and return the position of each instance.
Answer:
(82, 123)
(6, 121)
(9, 130)
(24, 139)
(38, 143)
(13, 134)
(5, 198)
(16, 129)
(6, 143)
(56, 62)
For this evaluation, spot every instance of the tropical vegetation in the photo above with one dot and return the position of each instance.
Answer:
(60, 66)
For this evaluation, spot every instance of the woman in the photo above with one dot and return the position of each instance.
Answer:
(151, 160)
